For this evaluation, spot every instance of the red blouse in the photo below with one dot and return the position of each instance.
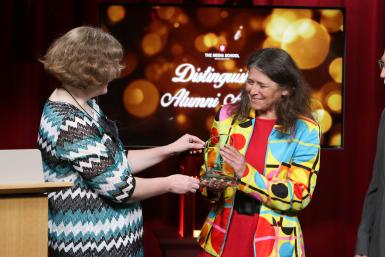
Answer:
(246, 225)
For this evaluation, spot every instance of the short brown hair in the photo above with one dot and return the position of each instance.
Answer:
(84, 57)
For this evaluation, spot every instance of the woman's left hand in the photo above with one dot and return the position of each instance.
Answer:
(234, 158)
(187, 142)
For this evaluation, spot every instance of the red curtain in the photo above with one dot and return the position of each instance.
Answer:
(331, 220)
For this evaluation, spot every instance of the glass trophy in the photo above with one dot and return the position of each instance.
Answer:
(218, 170)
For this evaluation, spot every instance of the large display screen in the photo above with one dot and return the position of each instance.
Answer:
(182, 62)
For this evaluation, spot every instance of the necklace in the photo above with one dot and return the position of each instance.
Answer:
(109, 126)
(81, 107)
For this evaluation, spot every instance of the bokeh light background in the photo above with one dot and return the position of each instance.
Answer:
(157, 39)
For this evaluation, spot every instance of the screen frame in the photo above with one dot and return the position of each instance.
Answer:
(104, 4)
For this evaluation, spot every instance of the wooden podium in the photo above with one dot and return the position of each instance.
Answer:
(24, 218)
(24, 204)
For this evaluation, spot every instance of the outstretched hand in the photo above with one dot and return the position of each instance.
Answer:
(187, 142)
(181, 184)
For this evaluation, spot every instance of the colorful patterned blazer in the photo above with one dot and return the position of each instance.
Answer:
(284, 187)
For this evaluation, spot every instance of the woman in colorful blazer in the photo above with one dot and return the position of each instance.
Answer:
(274, 150)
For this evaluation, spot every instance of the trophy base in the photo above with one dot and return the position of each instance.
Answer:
(219, 177)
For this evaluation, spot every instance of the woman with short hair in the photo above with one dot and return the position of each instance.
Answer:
(101, 214)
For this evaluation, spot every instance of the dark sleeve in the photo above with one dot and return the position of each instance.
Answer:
(101, 163)
(370, 208)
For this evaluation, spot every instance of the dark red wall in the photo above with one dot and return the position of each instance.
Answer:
(330, 221)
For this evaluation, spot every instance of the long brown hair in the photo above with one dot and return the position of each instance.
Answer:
(278, 65)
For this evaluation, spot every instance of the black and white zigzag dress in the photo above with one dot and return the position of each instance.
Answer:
(90, 219)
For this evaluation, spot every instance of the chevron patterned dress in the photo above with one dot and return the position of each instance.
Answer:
(93, 217)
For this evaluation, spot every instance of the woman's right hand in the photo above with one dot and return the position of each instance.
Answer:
(181, 184)
(234, 158)
(187, 142)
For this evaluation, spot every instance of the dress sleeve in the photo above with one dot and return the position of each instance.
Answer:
(292, 190)
(100, 162)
